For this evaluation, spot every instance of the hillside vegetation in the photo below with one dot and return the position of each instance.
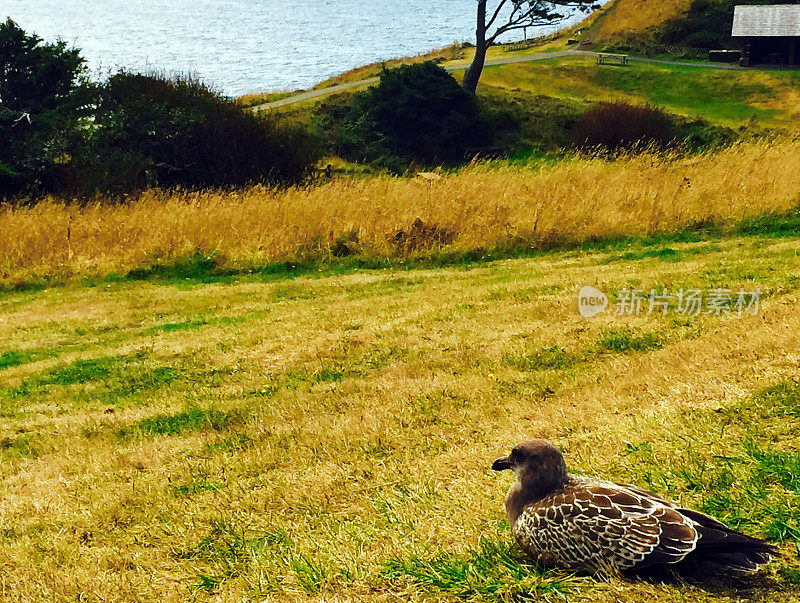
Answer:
(633, 18)
(722, 97)
(483, 208)
(672, 26)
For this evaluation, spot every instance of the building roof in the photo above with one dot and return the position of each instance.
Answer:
(772, 20)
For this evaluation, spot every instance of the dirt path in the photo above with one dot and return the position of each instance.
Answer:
(312, 94)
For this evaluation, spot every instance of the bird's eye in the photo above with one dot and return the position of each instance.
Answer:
(516, 453)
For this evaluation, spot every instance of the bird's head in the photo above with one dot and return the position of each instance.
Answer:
(538, 464)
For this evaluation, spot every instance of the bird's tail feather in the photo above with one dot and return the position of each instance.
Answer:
(727, 548)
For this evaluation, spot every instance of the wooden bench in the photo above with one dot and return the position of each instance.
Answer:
(511, 47)
(612, 59)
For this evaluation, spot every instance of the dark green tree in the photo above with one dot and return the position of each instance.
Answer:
(43, 97)
(423, 114)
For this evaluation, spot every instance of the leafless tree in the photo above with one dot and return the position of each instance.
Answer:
(497, 17)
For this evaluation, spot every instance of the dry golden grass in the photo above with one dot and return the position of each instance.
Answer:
(484, 206)
(631, 17)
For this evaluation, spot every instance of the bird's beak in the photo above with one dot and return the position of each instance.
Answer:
(502, 464)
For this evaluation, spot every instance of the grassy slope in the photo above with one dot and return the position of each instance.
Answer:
(321, 437)
(530, 207)
(623, 18)
(318, 437)
(728, 98)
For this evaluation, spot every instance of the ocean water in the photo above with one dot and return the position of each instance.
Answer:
(242, 46)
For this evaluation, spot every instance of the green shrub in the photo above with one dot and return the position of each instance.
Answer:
(156, 131)
(522, 119)
(417, 113)
(425, 115)
(699, 135)
(347, 129)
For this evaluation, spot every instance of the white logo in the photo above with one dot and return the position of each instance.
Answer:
(591, 302)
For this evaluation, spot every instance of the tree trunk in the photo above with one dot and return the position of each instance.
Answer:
(473, 74)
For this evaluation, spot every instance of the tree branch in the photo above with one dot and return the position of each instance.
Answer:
(496, 13)
(528, 18)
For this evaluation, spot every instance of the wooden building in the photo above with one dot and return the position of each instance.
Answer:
(769, 34)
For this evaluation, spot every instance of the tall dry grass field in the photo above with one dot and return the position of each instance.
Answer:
(481, 207)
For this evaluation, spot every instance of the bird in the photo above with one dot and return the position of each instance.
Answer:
(586, 524)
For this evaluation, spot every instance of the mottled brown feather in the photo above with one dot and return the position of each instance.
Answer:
(595, 525)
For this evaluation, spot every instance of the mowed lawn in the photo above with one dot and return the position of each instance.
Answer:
(729, 97)
(330, 438)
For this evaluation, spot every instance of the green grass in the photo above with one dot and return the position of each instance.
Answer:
(109, 380)
(334, 439)
(546, 358)
(783, 399)
(755, 485)
(232, 551)
(771, 225)
(627, 340)
(495, 571)
(729, 98)
(81, 371)
(187, 490)
(14, 358)
(716, 95)
(196, 323)
(19, 446)
(666, 254)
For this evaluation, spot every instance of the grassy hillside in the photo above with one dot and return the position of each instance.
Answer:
(647, 26)
(296, 394)
(725, 97)
(752, 99)
(624, 18)
(494, 208)
(329, 438)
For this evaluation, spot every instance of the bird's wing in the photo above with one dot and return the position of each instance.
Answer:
(596, 525)
(716, 542)
(646, 493)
